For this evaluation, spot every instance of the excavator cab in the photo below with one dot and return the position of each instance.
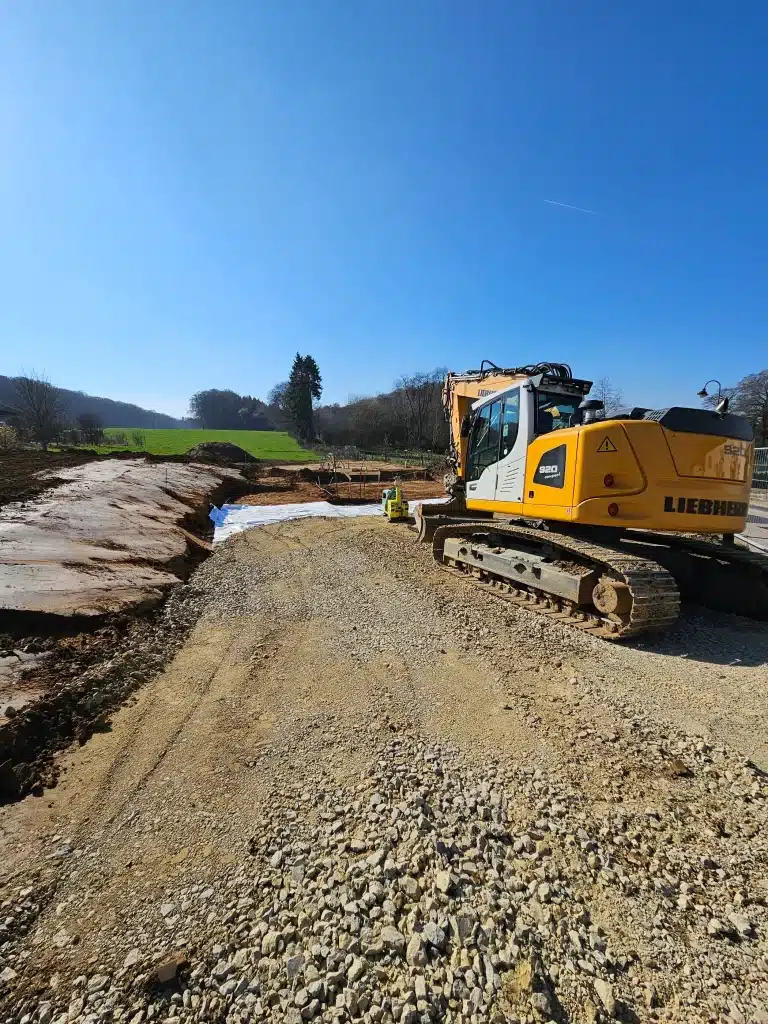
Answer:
(556, 412)
(503, 427)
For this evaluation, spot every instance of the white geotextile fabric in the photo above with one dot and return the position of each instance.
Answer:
(242, 517)
(231, 519)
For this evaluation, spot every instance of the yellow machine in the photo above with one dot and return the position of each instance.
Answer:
(393, 504)
(550, 498)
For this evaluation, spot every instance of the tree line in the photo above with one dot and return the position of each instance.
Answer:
(40, 414)
(410, 415)
(290, 405)
(73, 404)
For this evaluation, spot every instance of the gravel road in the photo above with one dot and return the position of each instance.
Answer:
(365, 791)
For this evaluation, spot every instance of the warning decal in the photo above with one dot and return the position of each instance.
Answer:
(607, 445)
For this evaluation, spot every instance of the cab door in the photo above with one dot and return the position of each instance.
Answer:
(483, 455)
(515, 435)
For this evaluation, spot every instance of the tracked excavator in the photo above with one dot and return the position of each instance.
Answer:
(600, 521)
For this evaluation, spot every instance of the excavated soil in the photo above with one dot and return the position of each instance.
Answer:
(219, 453)
(98, 535)
(286, 489)
(20, 472)
(363, 791)
(107, 538)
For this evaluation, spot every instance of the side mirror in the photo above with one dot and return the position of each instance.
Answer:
(722, 406)
(466, 423)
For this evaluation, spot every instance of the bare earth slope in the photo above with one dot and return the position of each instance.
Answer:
(365, 791)
(107, 536)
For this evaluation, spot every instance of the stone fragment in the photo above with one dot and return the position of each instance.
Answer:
(393, 939)
(356, 970)
(415, 954)
(167, 969)
(434, 934)
(542, 1004)
(444, 881)
(132, 958)
(741, 923)
(604, 992)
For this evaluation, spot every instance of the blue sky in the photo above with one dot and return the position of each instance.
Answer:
(192, 191)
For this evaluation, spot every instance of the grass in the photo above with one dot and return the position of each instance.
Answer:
(261, 444)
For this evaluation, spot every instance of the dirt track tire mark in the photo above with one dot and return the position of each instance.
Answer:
(127, 752)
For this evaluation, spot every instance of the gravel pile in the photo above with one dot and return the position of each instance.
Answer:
(435, 891)
(345, 593)
(621, 877)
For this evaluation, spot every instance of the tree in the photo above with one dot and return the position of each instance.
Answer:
(9, 438)
(216, 410)
(226, 410)
(277, 408)
(611, 396)
(39, 405)
(304, 385)
(415, 396)
(419, 398)
(254, 414)
(278, 395)
(390, 420)
(750, 398)
(91, 428)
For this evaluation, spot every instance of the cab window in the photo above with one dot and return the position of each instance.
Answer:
(555, 412)
(484, 441)
(510, 422)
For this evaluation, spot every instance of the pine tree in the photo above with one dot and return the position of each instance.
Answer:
(304, 384)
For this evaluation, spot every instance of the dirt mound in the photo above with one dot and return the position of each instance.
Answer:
(219, 452)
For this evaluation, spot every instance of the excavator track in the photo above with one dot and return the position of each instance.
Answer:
(727, 578)
(655, 600)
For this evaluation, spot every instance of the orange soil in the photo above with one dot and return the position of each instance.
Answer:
(273, 491)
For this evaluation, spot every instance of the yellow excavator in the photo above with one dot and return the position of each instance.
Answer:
(601, 521)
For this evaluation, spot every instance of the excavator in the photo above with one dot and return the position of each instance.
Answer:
(600, 521)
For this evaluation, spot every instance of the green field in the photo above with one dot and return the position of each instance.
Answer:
(262, 444)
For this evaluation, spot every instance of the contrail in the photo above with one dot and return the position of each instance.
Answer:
(554, 202)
